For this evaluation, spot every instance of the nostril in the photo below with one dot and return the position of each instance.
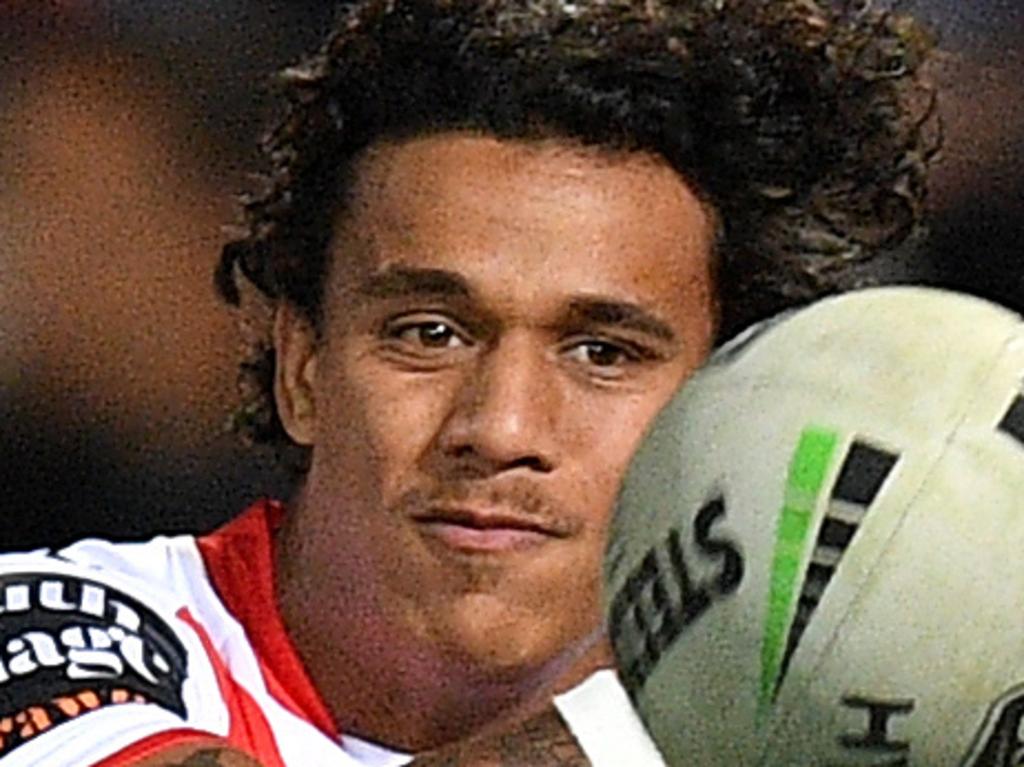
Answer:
(531, 462)
(469, 456)
(463, 451)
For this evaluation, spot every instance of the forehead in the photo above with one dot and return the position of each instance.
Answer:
(526, 223)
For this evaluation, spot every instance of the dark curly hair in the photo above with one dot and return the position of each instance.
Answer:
(805, 124)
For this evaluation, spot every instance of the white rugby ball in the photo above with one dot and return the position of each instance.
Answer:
(817, 558)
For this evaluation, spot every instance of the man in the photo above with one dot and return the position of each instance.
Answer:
(496, 238)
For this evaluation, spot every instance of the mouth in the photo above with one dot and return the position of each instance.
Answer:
(483, 531)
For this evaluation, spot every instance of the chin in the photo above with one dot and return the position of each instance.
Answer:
(507, 643)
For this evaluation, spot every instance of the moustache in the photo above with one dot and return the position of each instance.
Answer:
(520, 499)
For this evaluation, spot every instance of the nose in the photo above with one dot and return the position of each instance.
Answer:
(505, 415)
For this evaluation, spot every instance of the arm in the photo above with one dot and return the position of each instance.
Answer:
(591, 725)
(543, 741)
(207, 754)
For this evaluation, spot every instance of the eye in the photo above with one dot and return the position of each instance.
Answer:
(601, 354)
(434, 335)
(426, 334)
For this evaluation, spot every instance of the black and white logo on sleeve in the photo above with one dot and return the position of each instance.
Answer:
(70, 644)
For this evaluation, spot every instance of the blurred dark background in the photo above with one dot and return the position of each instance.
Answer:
(127, 128)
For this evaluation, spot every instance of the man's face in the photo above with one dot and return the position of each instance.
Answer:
(502, 322)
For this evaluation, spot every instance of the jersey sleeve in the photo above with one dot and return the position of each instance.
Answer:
(605, 724)
(94, 660)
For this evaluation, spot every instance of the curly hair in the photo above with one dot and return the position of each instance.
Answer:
(805, 124)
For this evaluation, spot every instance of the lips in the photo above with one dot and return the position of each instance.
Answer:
(485, 530)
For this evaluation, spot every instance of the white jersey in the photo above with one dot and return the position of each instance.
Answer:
(111, 652)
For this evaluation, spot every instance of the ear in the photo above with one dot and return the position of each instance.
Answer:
(295, 346)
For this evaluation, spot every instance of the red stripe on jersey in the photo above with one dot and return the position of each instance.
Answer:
(239, 561)
(249, 729)
(153, 745)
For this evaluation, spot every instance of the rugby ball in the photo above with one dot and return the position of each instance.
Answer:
(817, 557)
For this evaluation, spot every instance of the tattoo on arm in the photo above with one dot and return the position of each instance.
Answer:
(207, 757)
(543, 741)
(211, 758)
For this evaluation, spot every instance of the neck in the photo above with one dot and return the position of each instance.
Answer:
(384, 684)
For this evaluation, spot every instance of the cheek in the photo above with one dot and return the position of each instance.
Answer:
(608, 447)
(385, 420)
(616, 426)
(611, 433)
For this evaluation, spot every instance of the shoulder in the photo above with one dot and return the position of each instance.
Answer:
(95, 652)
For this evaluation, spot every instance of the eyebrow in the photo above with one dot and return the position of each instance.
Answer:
(403, 281)
(603, 311)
